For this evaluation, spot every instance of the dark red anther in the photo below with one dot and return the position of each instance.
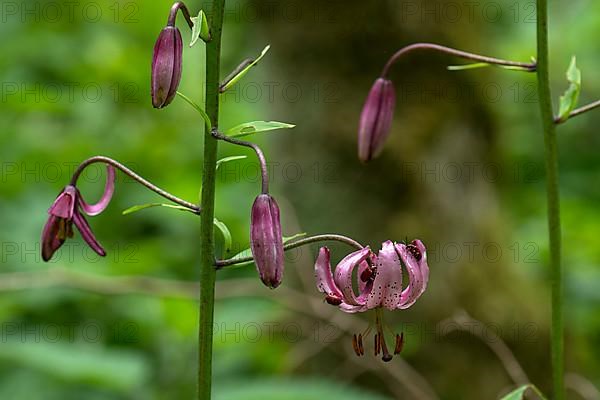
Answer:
(355, 345)
(333, 300)
(360, 345)
(399, 343)
(366, 274)
(414, 251)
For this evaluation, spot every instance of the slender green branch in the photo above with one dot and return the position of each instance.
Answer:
(207, 245)
(579, 111)
(264, 173)
(106, 160)
(552, 179)
(289, 246)
(529, 67)
(243, 65)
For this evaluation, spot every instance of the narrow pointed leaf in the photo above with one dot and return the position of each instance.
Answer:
(205, 117)
(250, 128)
(287, 239)
(467, 66)
(483, 65)
(519, 394)
(200, 29)
(568, 101)
(229, 159)
(141, 207)
(243, 72)
(227, 239)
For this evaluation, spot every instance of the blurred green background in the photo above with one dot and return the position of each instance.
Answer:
(462, 170)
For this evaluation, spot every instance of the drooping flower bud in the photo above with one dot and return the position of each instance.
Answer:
(166, 66)
(376, 119)
(266, 240)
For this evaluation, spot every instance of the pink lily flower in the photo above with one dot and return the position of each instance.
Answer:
(66, 211)
(379, 284)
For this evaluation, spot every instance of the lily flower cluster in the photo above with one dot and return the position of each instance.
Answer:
(379, 275)
(379, 283)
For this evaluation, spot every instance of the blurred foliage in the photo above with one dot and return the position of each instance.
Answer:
(76, 84)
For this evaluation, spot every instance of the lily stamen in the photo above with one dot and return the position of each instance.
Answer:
(399, 343)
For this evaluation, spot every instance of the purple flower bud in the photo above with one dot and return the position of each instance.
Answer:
(166, 66)
(266, 240)
(376, 119)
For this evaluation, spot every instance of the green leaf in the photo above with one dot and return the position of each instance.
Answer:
(287, 239)
(483, 65)
(141, 207)
(568, 101)
(250, 128)
(227, 239)
(205, 117)
(229, 159)
(519, 393)
(467, 66)
(244, 71)
(200, 29)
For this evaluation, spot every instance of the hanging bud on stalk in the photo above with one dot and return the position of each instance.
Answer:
(166, 61)
(266, 240)
(166, 66)
(376, 119)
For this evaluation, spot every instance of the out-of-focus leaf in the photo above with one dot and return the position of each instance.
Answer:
(250, 128)
(298, 389)
(85, 364)
(519, 393)
(244, 71)
(568, 101)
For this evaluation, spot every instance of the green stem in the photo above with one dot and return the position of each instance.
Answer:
(207, 248)
(551, 154)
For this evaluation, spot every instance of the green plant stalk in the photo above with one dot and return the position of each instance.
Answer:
(551, 155)
(207, 247)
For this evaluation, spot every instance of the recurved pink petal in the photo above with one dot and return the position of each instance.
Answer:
(50, 239)
(64, 204)
(109, 189)
(87, 234)
(414, 257)
(343, 275)
(350, 309)
(324, 276)
(387, 287)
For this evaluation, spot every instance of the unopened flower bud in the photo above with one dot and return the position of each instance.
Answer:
(166, 66)
(266, 240)
(376, 119)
